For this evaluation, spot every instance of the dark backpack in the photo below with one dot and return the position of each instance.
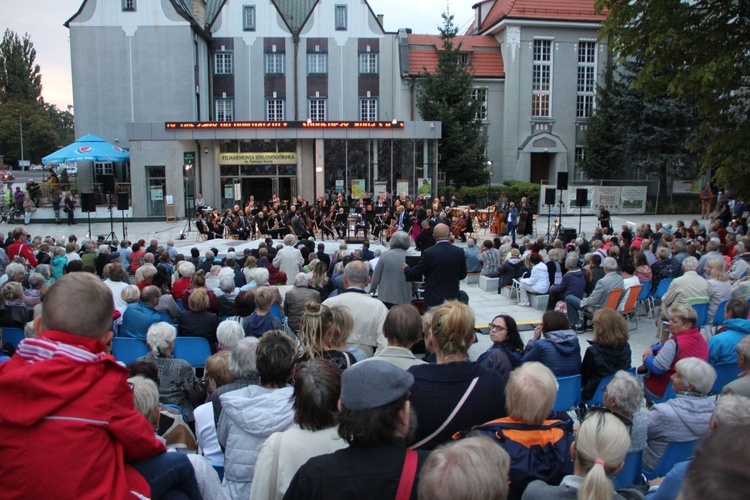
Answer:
(549, 463)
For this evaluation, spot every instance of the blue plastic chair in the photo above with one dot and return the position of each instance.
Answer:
(126, 349)
(568, 393)
(719, 316)
(13, 335)
(598, 398)
(659, 293)
(702, 310)
(180, 305)
(631, 470)
(725, 373)
(674, 454)
(643, 297)
(177, 410)
(194, 350)
(668, 394)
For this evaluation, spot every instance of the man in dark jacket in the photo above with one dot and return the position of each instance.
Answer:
(374, 461)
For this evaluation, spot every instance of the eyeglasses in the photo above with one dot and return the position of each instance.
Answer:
(497, 327)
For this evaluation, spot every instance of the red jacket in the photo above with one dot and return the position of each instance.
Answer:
(17, 248)
(69, 423)
(179, 288)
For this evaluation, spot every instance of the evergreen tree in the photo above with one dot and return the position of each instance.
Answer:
(20, 78)
(446, 96)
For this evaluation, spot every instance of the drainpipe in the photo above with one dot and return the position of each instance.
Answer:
(199, 154)
(295, 38)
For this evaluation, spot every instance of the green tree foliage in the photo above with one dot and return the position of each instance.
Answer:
(445, 96)
(20, 78)
(630, 133)
(695, 51)
(45, 127)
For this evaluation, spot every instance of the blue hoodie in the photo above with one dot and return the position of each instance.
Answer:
(258, 325)
(558, 350)
(721, 346)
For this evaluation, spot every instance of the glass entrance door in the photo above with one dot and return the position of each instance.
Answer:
(156, 184)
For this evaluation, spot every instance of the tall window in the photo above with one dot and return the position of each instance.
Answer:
(128, 5)
(275, 110)
(463, 59)
(541, 90)
(586, 79)
(341, 17)
(368, 63)
(248, 17)
(580, 153)
(317, 111)
(224, 110)
(274, 63)
(317, 62)
(480, 94)
(223, 63)
(368, 110)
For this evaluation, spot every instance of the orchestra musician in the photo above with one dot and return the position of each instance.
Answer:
(340, 223)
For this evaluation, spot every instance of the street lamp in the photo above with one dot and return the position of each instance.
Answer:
(20, 131)
(489, 181)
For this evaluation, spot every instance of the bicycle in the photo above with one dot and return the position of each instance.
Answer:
(8, 214)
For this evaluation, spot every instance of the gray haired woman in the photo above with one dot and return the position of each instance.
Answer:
(623, 396)
(178, 384)
(388, 279)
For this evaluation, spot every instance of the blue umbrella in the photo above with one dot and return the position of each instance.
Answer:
(88, 148)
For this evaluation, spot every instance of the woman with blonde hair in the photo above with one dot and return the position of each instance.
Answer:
(454, 394)
(599, 453)
(343, 324)
(315, 336)
(319, 280)
(719, 286)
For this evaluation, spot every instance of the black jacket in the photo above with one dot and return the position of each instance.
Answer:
(599, 362)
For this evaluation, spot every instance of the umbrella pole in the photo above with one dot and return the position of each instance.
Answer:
(88, 216)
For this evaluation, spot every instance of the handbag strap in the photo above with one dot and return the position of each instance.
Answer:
(450, 417)
(408, 473)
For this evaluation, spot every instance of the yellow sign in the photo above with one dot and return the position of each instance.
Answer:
(257, 158)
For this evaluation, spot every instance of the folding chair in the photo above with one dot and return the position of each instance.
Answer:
(613, 300)
(644, 296)
(194, 350)
(628, 310)
(126, 350)
(568, 393)
(674, 454)
(13, 335)
(658, 294)
(700, 304)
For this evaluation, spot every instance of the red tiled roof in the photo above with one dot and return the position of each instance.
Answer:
(555, 10)
(485, 59)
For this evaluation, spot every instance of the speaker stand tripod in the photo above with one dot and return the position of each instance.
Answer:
(111, 236)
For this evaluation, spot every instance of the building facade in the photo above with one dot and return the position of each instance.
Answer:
(238, 97)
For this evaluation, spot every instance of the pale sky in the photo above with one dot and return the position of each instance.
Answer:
(43, 21)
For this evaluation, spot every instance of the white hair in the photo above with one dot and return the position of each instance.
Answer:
(229, 333)
(145, 396)
(160, 335)
(301, 279)
(697, 373)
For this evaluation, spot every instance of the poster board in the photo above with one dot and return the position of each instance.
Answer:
(358, 188)
(424, 186)
(633, 200)
(168, 205)
(402, 186)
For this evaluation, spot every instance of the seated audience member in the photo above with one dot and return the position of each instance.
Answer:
(402, 329)
(741, 386)
(598, 297)
(537, 282)
(315, 333)
(375, 419)
(261, 320)
(65, 372)
(138, 317)
(490, 259)
(198, 282)
(731, 412)
(719, 286)
(599, 453)
(471, 253)
(218, 375)
(166, 303)
(196, 468)
(507, 347)
(251, 414)
(529, 433)
(33, 295)
(720, 466)
(628, 281)
(14, 313)
(228, 335)
(242, 365)
(573, 282)
(114, 281)
(343, 324)
(474, 468)
(178, 384)
(722, 348)
(197, 321)
(685, 287)
(684, 418)
(608, 353)
(455, 393)
(512, 269)
(685, 341)
(229, 292)
(559, 350)
(623, 396)
(295, 300)
(317, 388)
(185, 270)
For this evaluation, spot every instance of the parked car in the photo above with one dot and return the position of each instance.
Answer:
(37, 167)
(72, 170)
(7, 176)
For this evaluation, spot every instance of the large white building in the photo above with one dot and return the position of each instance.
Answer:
(309, 96)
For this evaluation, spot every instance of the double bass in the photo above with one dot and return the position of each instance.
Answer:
(498, 221)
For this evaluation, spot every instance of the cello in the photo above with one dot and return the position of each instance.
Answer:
(498, 221)
(459, 226)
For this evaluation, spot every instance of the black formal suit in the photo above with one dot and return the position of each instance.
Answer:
(443, 267)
